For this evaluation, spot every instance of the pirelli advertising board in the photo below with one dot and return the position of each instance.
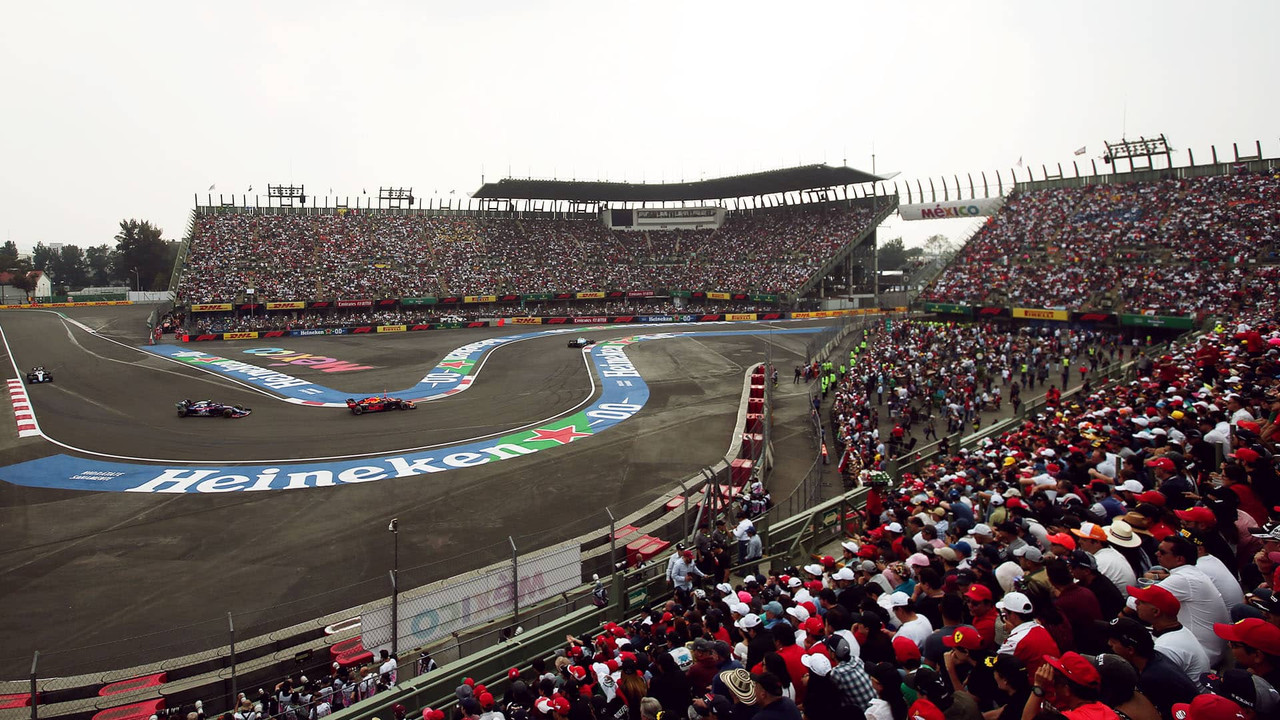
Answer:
(1041, 314)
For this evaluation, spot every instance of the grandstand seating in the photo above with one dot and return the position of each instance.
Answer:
(1171, 247)
(364, 255)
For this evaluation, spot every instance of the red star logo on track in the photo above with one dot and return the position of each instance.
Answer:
(564, 435)
(454, 364)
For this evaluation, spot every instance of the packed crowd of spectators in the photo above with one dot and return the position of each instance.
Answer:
(931, 380)
(1173, 246)
(355, 255)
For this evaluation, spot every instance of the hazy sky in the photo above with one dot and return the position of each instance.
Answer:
(125, 110)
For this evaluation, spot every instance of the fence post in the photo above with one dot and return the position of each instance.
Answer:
(515, 580)
(613, 542)
(34, 695)
(684, 507)
(235, 691)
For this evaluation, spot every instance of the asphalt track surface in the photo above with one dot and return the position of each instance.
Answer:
(97, 581)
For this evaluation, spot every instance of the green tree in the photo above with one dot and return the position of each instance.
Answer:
(98, 262)
(139, 254)
(42, 258)
(69, 267)
(892, 254)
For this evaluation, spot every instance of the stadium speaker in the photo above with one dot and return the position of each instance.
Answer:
(303, 199)
(1106, 159)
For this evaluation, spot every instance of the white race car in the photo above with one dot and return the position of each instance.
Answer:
(39, 375)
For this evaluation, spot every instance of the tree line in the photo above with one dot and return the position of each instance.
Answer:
(140, 259)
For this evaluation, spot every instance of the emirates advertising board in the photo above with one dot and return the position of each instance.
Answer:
(951, 209)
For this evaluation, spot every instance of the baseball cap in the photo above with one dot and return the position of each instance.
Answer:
(1162, 599)
(850, 546)
(979, 593)
(1091, 531)
(981, 529)
(1155, 497)
(1245, 689)
(844, 573)
(899, 599)
(1208, 707)
(1245, 454)
(1063, 539)
(1254, 632)
(1132, 486)
(1031, 553)
(893, 527)
(1018, 603)
(1267, 604)
(725, 588)
(749, 621)
(1127, 630)
(1197, 514)
(817, 663)
(1076, 668)
(1160, 463)
(965, 637)
(1082, 559)
(905, 649)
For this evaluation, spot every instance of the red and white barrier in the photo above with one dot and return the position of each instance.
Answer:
(22, 413)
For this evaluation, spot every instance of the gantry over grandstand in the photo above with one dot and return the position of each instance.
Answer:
(767, 238)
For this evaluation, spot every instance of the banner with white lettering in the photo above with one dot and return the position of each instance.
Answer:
(952, 209)
(439, 609)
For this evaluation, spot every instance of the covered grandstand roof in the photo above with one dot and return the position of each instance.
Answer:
(806, 177)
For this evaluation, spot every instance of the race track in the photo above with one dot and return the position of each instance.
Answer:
(96, 580)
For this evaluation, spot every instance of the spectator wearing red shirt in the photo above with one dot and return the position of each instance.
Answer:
(784, 637)
(1027, 640)
(983, 609)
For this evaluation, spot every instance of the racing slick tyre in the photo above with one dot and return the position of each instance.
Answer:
(356, 410)
(182, 412)
(227, 412)
(402, 406)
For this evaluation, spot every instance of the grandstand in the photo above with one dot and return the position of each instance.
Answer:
(788, 231)
(1167, 246)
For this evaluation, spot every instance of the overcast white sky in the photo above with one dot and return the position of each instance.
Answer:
(125, 110)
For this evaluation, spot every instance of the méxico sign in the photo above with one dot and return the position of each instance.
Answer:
(951, 209)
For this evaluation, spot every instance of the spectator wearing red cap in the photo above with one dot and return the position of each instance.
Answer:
(1171, 482)
(982, 609)
(1157, 607)
(1071, 684)
(1209, 707)
(1202, 604)
(1255, 646)
(964, 649)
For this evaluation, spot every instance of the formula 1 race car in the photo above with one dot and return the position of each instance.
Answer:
(581, 342)
(378, 403)
(209, 408)
(39, 375)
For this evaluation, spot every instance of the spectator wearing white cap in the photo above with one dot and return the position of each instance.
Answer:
(1027, 639)
(911, 625)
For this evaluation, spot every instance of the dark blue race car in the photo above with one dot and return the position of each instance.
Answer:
(209, 408)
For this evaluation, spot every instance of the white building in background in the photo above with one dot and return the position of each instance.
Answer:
(11, 295)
